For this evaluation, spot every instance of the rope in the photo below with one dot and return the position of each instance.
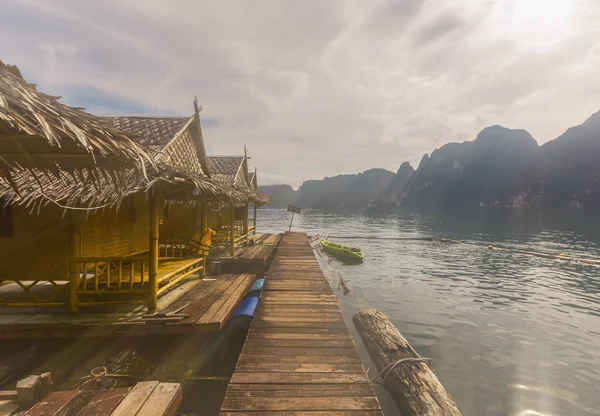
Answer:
(100, 372)
(390, 367)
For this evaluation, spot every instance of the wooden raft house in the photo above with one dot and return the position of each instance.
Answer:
(232, 222)
(88, 210)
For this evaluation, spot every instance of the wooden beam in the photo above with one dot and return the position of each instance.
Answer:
(231, 230)
(74, 265)
(153, 254)
(245, 218)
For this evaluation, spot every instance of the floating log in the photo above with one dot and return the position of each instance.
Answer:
(413, 386)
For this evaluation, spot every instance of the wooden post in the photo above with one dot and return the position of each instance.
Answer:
(254, 223)
(413, 386)
(204, 216)
(245, 218)
(153, 254)
(231, 229)
(74, 266)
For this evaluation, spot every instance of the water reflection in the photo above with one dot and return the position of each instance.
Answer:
(509, 334)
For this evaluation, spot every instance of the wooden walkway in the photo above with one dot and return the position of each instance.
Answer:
(251, 258)
(298, 357)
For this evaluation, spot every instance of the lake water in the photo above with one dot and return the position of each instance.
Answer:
(509, 334)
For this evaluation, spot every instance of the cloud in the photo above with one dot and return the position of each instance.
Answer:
(318, 88)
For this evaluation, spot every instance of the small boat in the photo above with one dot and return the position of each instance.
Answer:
(342, 252)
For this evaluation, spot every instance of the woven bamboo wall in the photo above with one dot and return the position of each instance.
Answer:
(179, 223)
(38, 248)
(117, 233)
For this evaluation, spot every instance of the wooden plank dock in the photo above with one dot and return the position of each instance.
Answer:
(298, 357)
(252, 257)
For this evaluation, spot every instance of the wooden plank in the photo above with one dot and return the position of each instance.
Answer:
(317, 319)
(304, 343)
(223, 307)
(201, 297)
(299, 378)
(292, 330)
(294, 336)
(306, 413)
(274, 324)
(105, 402)
(163, 401)
(291, 367)
(136, 398)
(300, 390)
(300, 403)
(8, 407)
(52, 404)
(299, 312)
(308, 359)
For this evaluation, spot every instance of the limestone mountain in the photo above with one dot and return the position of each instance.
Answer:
(281, 195)
(345, 192)
(485, 172)
(388, 198)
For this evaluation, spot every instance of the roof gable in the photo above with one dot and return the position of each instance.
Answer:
(227, 169)
(154, 132)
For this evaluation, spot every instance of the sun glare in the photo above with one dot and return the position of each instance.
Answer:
(534, 23)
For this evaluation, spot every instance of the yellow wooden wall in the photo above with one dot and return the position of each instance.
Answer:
(117, 233)
(39, 246)
(179, 222)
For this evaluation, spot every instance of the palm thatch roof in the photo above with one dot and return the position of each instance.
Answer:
(177, 141)
(230, 171)
(37, 131)
(96, 189)
(154, 132)
(53, 153)
(227, 169)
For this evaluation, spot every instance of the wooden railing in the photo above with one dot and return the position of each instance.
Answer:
(19, 292)
(173, 249)
(102, 277)
(113, 275)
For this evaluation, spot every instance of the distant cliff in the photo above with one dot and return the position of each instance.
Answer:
(568, 168)
(342, 192)
(281, 195)
(501, 168)
(388, 198)
(345, 192)
(505, 168)
(486, 172)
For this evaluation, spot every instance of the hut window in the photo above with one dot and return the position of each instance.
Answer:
(6, 220)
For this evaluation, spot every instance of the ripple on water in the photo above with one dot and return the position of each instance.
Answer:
(490, 320)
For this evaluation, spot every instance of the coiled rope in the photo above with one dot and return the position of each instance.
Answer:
(387, 370)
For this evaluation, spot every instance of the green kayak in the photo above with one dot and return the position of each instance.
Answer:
(342, 252)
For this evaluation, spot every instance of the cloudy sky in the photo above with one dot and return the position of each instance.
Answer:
(317, 88)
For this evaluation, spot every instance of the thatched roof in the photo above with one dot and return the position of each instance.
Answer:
(36, 130)
(253, 180)
(176, 141)
(230, 171)
(227, 169)
(53, 153)
(154, 132)
(96, 189)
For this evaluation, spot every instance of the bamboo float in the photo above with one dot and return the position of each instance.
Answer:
(413, 386)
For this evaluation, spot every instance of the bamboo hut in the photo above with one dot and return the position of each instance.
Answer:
(231, 221)
(82, 202)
